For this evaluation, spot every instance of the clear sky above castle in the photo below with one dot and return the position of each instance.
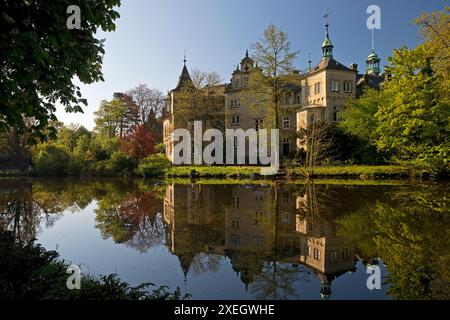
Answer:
(151, 36)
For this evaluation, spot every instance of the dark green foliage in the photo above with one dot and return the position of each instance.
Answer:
(40, 57)
(154, 165)
(29, 272)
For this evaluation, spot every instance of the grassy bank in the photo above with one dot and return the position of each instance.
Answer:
(163, 169)
(346, 172)
(362, 172)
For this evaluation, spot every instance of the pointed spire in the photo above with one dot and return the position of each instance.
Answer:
(184, 80)
(327, 45)
(309, 61)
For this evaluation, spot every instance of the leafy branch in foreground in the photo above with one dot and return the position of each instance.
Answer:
(30, 272)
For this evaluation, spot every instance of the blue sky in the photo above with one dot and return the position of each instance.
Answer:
(151, 36)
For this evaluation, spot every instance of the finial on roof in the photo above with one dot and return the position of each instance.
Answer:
(184, 60)
(327, 45)
(309, 60)
(326, 15)
(246, 53)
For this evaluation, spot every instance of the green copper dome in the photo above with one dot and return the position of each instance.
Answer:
(327, 47)
(373, 55)
(327, 42)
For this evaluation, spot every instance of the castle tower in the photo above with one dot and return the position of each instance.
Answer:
(185, 78)
(373, 64)
(327, 45)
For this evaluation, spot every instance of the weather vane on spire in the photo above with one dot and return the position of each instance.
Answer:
(325, 16)
(184, 60)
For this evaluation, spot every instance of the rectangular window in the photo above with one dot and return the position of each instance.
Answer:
(235, 201)
(286, 122)
(334, 87)
(316, 254)
(347, 86)
(298, 98)
(246, 82)
(334, 256)
(317, 88)
(335, 116)
(235, 223)
(235, 120)
(237, 83)
(235, 239)
(259, 241)
(258, 216)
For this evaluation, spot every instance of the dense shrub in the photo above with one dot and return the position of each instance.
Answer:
(121, 163)
(52, 159)
(154, 165)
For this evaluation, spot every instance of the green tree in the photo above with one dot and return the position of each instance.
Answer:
(131, 113)
(109, 117)
(40, 58)
(359, 125)
(268, 82)
(414, 121)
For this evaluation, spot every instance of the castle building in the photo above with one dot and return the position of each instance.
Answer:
(316, 95)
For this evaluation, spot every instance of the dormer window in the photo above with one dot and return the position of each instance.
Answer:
(246, 82)
(237, 83)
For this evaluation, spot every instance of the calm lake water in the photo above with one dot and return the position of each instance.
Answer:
(239, 241)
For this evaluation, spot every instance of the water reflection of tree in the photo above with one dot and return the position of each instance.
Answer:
(276, 278)
(19, 213)
(127, 212)
(131, 217)
(410, 233)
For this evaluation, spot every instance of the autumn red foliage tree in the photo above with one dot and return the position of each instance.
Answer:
(139, 143)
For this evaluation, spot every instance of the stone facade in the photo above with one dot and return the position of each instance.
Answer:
(319, 94)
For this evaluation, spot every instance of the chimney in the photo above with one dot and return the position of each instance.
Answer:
(354, 67)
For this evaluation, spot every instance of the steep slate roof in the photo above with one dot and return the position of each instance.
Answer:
(184, 80)
(372, 80)
(329, 63)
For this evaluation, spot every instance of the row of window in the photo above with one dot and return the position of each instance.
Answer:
(291, 99)
(235, 103)
(237, 82)
(236, 120)
(335, 117)
(235, 239)
(334, 86)
(259, 216)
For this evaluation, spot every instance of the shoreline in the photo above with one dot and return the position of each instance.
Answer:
(354, 172)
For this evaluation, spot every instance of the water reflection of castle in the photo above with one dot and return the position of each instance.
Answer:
(253, 224)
